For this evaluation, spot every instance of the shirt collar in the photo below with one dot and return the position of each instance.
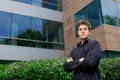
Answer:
(86, 41)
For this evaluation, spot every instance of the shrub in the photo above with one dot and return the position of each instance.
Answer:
(52, 69)
(110, 69)
(36, 70)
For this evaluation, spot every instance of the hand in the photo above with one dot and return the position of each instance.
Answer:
(81, 59)
(69, 59)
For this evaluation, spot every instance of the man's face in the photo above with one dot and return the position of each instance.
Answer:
(83, 31)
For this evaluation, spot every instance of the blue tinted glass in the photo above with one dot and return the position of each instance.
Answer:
(80, 15)
(36, 2)
(95, 18)
(51, 6)
(36, 29)
(23, 1)
(58, 2)
(109, 12)
(20, 26)
(5, 19)
(118, 8)
(55, 32)
(45, 30)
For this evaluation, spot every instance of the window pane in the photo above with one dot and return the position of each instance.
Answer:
(5, 19)
(4, 41)
(18, 42)
(95, 18)
(23, 1)
(58, 2)
(109, 12)
(55, 32)
(45, 30)
(37, 2)
(38, 44)
(51, 6)
(36, 32)
(55, 46)
(20, 26)
(118, 8)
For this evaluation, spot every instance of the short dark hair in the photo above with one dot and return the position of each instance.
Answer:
(84, 22)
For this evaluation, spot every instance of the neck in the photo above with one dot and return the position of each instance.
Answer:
(82, 41)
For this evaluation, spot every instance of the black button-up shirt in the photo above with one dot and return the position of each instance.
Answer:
(88, 69)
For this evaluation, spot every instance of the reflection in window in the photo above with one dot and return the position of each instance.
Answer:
(110, 15)
(5, 24)
(36, 29)
(4, 41)
(37, 2)
(55, 32)
(20, 26)
(18, 42)
(95, 18)
(30, 31)
(51, 6)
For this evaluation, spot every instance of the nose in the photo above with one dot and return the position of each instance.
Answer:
(82, 31)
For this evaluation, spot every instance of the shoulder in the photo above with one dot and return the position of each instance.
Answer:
(74, 49)
(94, 41)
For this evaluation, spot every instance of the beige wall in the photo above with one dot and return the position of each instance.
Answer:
(107, 35)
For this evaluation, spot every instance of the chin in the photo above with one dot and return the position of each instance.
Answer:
(83, 38)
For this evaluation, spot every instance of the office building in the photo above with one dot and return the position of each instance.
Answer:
(31, 29)
(44, 29)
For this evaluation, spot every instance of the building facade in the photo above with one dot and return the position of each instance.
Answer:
(43, 29)
(104, 19)
(31, 29)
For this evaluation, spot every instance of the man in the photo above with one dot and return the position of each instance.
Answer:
(84, 58)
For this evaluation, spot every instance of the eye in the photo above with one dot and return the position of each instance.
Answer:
(85, 28)
(79, 29)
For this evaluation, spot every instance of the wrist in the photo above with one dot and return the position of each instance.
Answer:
(81, 59)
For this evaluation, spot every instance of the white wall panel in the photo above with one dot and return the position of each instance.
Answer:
(9, 52)
(4, 52)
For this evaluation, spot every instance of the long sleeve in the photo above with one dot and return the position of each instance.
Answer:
(92, 58)
(69, 66)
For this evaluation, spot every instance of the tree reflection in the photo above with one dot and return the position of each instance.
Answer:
(111, 20)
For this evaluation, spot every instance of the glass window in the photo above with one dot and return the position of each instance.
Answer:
(118, 10)
(37, 2)
(55, 32)
(4, 40)
(38, 44)
(5, 21)
(55, 46)
(109, 12)
(23, 1)
(19, 42)
(36, 32)
(20, 26)
(95, 18)
(51, 6)
(58, 2)
(45, 30)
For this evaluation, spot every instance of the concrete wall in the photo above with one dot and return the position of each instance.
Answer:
(8, 52)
